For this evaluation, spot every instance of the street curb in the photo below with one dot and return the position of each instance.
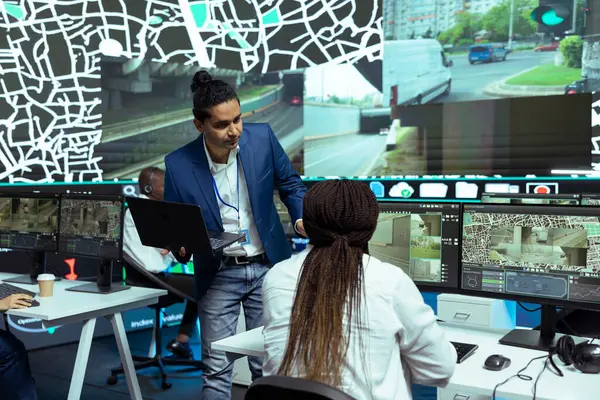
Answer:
(317, 104)
(331, 135)
(249, 113)
(502, 89)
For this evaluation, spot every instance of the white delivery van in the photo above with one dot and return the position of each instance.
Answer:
(414, 72)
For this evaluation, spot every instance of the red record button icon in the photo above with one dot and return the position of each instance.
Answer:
(542, 189)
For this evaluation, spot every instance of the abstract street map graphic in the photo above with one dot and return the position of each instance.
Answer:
(51, 51)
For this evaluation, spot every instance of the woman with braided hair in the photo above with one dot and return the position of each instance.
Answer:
(336, 315)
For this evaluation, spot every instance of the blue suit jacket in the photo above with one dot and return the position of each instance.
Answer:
(266, 167)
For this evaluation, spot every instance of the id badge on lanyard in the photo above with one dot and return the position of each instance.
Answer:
(246, 239)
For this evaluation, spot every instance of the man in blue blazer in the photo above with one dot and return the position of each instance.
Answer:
(231, 172)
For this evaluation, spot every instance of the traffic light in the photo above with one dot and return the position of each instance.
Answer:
(554, 16)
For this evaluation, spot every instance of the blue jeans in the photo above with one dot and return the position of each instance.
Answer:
(219, 310)
(16, 382)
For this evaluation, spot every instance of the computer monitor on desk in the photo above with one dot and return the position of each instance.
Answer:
(541, 254)
(29, 222)
(422, 239)
(92, 226)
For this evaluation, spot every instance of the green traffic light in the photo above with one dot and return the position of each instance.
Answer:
(551, 19)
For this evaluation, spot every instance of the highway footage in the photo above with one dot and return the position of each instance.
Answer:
(91, 218)
(411, 242)
(28, 215)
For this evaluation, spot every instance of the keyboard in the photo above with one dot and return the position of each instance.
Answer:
(463, 350)
(8, 290)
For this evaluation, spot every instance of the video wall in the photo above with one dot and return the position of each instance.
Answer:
(436, 97)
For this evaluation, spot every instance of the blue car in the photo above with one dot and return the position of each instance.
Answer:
(487, 53)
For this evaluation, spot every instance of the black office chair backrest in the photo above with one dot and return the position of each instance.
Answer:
(288, 388)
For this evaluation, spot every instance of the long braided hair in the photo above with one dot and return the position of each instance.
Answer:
(340, 217)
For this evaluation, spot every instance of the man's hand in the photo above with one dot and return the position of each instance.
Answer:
(300, 228)
(167, 251)
(15, 301)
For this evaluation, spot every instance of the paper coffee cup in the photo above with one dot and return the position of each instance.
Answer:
(46, 283)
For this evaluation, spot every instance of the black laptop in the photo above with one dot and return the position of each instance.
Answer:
(167, 225)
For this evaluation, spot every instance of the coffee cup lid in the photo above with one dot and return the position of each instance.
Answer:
(45, 277)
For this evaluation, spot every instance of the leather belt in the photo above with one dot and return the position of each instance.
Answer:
(244, 260)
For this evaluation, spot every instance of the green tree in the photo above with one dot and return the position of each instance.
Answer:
(571, 48)
(464, 29)
(497, 20)
(412, 35)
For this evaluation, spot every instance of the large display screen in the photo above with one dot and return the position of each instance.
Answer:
(534, 252)
(420, 238)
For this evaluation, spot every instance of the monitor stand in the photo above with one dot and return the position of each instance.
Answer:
(103, 283)
(37, 266)
(543, 339)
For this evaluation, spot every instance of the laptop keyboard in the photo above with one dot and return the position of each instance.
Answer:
(217, 243)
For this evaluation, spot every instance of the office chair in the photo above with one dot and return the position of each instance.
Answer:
(288, 388)
(137, 276)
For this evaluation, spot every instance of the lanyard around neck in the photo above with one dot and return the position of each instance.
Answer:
(237, 169)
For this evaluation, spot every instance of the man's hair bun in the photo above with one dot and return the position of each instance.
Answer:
(200, 78)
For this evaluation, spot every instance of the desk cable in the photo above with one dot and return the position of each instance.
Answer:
(521, 375)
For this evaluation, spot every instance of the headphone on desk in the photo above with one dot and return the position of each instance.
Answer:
(584, 356)
(148, 187)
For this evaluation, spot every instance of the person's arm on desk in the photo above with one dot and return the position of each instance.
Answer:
(15, 301)
(288, 183)
(429, 356)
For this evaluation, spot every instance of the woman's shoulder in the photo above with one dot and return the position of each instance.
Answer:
(384, 273)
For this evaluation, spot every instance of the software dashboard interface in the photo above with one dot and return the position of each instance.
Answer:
(29, 223)
(530, 198)
(590, 199)
(91, 227)
(421, 239)
(535, 251)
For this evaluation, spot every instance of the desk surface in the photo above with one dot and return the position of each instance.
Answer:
(64, 304)
(470, 377)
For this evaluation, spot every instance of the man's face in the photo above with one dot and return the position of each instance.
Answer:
(224, 128)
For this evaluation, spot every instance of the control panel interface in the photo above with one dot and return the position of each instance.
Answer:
(420, 238)
(531, 198)
(590, 199)
(29, 223)
(534, 251)
(91, 227)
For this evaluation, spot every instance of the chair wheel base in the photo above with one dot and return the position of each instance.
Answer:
(112, 380)
(166, 386)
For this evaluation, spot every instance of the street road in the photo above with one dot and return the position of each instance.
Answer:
(468, 81)
(344, 155)
(122, 153)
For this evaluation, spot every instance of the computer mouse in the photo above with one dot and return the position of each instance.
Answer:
(33, 303)
(496, 362)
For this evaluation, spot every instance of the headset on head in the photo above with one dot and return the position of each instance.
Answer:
(148, 187)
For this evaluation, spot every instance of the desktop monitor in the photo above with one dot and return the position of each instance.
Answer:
(531, 198)
(29, 222)
(541, 254)
(91, 226)
(422, 239)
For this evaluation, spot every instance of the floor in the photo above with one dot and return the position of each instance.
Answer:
(52, 369)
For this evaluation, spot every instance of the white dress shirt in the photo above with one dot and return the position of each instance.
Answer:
(402, 340)
(226, 179)
(134, 251)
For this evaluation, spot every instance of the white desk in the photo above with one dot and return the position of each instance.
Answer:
(68, 307)
(470, 379)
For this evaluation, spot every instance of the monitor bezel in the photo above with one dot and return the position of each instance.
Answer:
(523, 298)
(44, 196)
(437, 287)
(120, 198)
